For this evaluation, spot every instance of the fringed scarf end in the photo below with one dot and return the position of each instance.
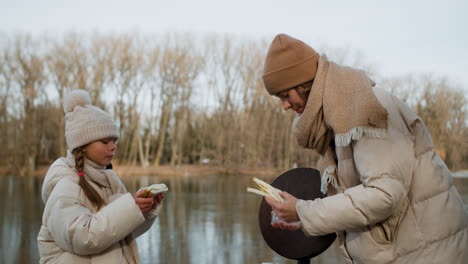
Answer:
(342, 140)
(329, 177)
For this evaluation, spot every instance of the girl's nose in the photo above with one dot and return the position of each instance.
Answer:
(286, 105)
(112, 146)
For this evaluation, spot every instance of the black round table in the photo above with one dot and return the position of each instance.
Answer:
(302, 183)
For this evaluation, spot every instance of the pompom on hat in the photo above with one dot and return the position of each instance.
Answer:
(84, 122)
(289, 63)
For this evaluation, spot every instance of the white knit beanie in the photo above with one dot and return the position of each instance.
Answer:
(86, 123)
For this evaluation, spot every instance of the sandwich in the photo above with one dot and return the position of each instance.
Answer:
(154, 190)
(266, 190)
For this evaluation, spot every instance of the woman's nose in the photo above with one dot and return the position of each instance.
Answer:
(286, 105)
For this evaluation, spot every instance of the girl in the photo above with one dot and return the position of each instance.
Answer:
(89, 217)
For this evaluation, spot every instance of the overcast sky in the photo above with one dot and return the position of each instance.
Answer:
(398, 36)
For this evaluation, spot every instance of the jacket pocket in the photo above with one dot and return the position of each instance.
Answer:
(368, 245)
(381, 233)
(385, 231)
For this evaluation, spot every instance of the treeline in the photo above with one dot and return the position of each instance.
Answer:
(180, 99)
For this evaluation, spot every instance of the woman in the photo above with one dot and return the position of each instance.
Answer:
(391, 198)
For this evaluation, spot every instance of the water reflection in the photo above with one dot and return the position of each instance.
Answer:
(210, 220)
(204, 220)
(21, 212)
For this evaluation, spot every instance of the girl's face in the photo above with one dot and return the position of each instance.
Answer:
(101, 151)
(292, 100)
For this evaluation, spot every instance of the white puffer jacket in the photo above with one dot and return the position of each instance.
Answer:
(73, 231)
(399, 203)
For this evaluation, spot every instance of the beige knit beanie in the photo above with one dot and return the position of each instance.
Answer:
(86, 123)
(289, 62)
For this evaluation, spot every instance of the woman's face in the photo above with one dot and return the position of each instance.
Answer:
(101, 151)
(292, 100)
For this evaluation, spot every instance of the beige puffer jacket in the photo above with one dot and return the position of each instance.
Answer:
(73, 231)
(399, 203)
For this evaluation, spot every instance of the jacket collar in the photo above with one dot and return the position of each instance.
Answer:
(93, 172)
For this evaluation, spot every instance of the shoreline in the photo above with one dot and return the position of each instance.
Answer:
(462, 174)
(189, 170)
(166, 171)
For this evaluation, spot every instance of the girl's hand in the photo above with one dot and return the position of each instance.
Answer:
(145, 204)
(286, 210)
(157, 200)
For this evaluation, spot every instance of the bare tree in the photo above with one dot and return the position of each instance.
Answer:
(150, 74)
(179, 66)
(30, 76)
(190, 66)
(60, 59)
(166, 67)
(180, 99)
(223, 80)
(6, 89)
(443, 109)
(125, 70)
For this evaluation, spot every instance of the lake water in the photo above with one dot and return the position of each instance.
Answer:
(204, 220)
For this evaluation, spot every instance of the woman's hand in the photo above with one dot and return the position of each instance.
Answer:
(145, 204)
(286, 211)
(283, 225)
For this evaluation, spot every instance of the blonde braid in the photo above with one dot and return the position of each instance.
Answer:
(92, 195)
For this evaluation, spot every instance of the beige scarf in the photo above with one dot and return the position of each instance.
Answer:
(341, 105)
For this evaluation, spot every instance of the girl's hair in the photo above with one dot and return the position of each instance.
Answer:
(92, 195)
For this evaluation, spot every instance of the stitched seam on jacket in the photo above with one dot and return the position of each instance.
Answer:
(409, 252)
(432, 242)
(433, 196)
(72, 234)
(73, 199)
(408, 134)
(357, 208)
(428, 149)
(447, 237)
